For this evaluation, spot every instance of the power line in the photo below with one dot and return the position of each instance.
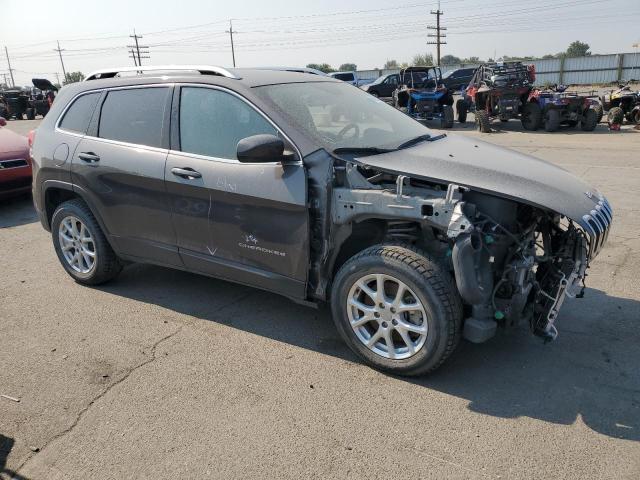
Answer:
(141, 55)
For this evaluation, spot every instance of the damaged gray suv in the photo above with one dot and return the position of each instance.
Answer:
(307, 187)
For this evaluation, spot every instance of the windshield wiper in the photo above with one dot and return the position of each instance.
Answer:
(420, 138)
(364, 150)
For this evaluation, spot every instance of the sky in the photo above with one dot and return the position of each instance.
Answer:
(95, 33)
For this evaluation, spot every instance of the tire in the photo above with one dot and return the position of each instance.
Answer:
(615, 115)
(635, 118)
(552, 120)
(375, 94)
(629, 116)
(599, 112)
(4, 113)
(483, 121)
(462, 108)
(447, 116)
(105, 262)
(31, 114)
(428, 285)
(589, 120)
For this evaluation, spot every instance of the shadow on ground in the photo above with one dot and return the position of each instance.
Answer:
(589, 372)
(6, 445)
(17, 211)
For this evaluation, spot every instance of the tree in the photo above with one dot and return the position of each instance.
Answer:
(390, 64)
(73, 77)
(450, 60)
(548, 55)
(471, 60)
(348, 67)
(323, 67)
(578, 49)
(425, 60)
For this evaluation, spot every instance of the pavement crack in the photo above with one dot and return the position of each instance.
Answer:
(152, 357)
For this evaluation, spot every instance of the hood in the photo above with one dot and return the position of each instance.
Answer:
(492, 169)
(12, 145)
(43, 84)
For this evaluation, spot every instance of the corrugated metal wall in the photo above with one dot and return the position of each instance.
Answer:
(570, 71)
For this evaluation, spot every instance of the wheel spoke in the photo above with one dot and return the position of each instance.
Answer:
(411, 307)
(421, 329)
(361, 306)
(407, 340)
(365, 288)
(400, 294)
(374, 338)
(391, 350)
(380, 288)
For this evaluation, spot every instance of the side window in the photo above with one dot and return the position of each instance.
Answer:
(345, 77)
(134, 116)
(212, 122)
(78, 115)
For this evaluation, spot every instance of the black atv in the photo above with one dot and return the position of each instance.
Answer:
(41, 102)
(16, 103)
(622, 103)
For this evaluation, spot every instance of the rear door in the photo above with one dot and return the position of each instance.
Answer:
(119, 166)
(241, 221)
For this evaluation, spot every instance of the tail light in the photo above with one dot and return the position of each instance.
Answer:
(32, 138)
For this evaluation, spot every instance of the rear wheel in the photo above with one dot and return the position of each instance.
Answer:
(483, 121)
(615, 116)
(599, 112)
(589, 120)
(447, 116)
(81, 246)
(552, 120)
(375, 94)
(462, 109)
(635, 116)
(397, 309)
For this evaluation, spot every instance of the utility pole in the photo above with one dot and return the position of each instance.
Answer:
(60, 50)
(133, 55)
(58, 78)
(438, 35)
(140, 54)
(230, 32)
(13, 83)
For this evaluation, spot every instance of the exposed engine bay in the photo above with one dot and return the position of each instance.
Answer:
(513, 263)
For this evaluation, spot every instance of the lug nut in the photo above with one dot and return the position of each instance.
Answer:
(376, 314)
(394, 321)
(384, 325)
(382, 305)
(393, 310)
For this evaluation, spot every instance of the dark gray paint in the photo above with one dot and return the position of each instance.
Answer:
(492, 169)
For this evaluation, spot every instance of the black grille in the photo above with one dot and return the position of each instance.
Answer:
(14, 163)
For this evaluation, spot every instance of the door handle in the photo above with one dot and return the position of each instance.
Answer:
(188, 173)
(89, 157)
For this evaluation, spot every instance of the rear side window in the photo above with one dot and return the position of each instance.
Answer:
(345, 77)
(134, 116)
(78, 115)
(212, 122)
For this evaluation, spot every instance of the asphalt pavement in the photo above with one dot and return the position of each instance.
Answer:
(164, 374)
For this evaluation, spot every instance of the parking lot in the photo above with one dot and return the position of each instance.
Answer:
(165, 374)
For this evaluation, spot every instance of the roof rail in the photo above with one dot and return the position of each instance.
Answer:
(202, 69)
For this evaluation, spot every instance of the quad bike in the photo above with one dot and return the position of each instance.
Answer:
(16, 102)
(555, 107)
(622, 103)
(41, 102)
(498, 90)
(422, 95)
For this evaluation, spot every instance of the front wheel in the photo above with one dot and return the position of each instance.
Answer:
(81, 246)
(552, 120)
(483, 122)
(462, 108)
(589, 120)
(447, 116)
(615, 116)
(397, 309)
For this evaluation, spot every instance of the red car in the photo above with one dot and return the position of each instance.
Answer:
(15, 162)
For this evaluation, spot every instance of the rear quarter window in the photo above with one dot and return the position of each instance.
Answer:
(78, 115)
(134, 115)
(345, 77)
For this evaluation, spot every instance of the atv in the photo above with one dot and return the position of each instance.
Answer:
(555, 107)
(423, 96)
(498, 90)
(41, 102)
(622, 103)
(16, 102)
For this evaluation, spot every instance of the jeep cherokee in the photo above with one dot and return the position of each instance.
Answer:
(307, 187)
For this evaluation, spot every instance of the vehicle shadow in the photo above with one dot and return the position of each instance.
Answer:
(17, 211)
(6, 445)
(590, 372)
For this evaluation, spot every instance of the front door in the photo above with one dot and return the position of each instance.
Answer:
(245, 222)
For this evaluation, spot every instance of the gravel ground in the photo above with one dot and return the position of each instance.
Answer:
(164, 374)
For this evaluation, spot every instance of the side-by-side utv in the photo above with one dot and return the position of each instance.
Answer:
(422, 95)
(497, 90)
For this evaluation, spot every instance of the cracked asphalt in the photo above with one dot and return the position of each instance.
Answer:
(165, 374)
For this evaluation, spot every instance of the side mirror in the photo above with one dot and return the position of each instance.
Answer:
(261, 148)
(3, 122)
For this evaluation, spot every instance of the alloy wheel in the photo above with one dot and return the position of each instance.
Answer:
(77, 244)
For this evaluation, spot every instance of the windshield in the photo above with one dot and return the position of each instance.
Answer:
(448, 74)
(337, 115)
